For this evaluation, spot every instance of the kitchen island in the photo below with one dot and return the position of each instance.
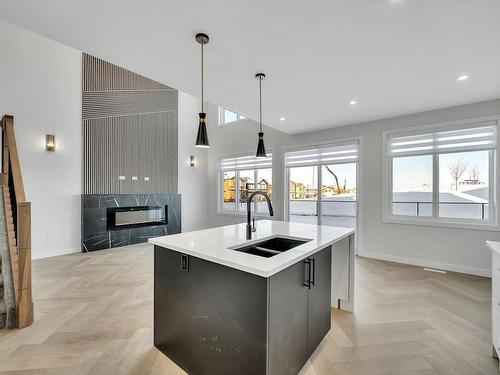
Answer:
(227, 305)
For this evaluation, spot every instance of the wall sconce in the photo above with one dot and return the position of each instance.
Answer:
(191, 160)
(50, 142)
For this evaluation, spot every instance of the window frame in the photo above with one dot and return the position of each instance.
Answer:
(287, 192)
(358, 245)
(434, 220)
(318, 166)
(221, 117)
(220, 189)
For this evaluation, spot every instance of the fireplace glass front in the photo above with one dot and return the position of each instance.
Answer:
(136, 216)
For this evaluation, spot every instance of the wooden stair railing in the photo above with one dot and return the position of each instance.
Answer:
(18, 219)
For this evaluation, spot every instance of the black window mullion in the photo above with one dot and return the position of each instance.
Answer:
(435, 186)
(319, 198)
(492, 187)
(255, 188)
(237, 190)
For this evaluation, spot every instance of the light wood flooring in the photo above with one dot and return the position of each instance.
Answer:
(93, 315)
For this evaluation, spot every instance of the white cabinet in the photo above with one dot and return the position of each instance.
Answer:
(343, 274)
(495, 296)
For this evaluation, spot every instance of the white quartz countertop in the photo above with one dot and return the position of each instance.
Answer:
(213, 244)
(494, 246)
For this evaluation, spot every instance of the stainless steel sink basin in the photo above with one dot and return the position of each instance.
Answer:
(271, 246)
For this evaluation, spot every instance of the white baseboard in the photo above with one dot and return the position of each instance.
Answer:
(55, 253)
(426, 263)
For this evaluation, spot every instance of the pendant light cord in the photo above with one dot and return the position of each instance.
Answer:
(202, 77)
(260, 104)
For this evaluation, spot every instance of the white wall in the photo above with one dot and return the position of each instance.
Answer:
(460, 250)
(192, 182)
(40, 85)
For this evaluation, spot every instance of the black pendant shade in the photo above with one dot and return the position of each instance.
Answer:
(261, 149)
(202, 137)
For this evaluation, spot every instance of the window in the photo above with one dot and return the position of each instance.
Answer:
(229, 195)
(264, 183)
(226, 116)
(464, 185)
(246, 179)
(412, 185)
(322, 184)
(303, 194)
(443, 175)
(338, 194)
(242, 175)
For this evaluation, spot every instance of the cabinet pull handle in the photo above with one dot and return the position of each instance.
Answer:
(308, 281)
(184, 263)
(313, 262)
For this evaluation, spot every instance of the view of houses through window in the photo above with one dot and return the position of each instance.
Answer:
(322, 185)
(240, 177)
(303, 194)
(334, 204)
(240, 184)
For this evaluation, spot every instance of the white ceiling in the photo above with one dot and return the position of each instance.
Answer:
(393, 56)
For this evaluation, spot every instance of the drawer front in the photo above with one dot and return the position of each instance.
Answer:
(495, 308)
(495, 278)
(495, 300)
(495, 329)
(495, 266)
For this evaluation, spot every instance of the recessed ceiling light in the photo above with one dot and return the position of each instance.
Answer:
(282, 119)
(463, 77)
(353, 102)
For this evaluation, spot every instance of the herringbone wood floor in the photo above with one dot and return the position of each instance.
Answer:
(93, 315)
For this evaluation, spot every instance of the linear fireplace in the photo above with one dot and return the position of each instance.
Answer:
(112, 220)
(135, 216)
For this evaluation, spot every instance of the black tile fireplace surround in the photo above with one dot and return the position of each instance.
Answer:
(112, 220)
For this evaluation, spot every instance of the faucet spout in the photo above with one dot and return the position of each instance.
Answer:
(249, 210)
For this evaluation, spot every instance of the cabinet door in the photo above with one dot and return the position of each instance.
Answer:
(287, 334)
(341, 267)
(319, 310)
(495, 301)
(210, 319)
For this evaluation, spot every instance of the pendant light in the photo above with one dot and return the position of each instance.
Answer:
(202, 137)
(261, 150)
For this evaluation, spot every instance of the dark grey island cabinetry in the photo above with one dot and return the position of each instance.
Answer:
(212, 319)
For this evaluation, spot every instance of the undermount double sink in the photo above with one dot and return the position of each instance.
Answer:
(270, 247)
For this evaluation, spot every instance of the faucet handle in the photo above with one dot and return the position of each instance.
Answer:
(253, 225)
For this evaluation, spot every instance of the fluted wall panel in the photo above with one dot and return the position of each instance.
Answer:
(100, 75)
(123, 103)
(129, 131)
